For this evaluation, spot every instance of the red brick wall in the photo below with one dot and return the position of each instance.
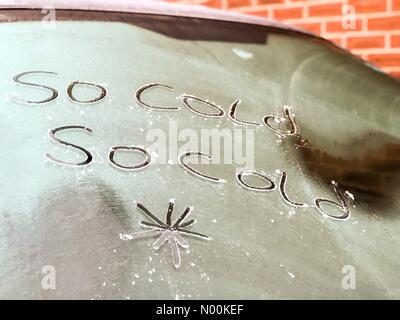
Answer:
(369, 28)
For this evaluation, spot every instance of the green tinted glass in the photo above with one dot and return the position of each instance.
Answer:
(103, 120)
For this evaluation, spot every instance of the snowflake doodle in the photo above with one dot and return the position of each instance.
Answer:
(167, 232)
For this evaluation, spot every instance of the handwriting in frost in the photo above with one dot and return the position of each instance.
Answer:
(286, 121)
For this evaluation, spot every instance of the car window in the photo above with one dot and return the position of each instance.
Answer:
(286, 147)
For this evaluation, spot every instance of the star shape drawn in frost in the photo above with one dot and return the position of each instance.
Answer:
(171, 233)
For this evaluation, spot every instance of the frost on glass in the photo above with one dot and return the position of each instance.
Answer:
(169, 232)
(277, 244)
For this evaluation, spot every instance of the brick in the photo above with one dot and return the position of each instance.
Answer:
(395, 41)
(206, 3)
(396, 5)
(256, 12)
(212, 3)
(238, 3)
(337, 41)
(362, 56)
(395, 74)
(312, 27)
(333, 9)
(385, 59)
(365, 42)
(385, 23)
(260, 2)
(366, 6)
(337, 26)
(288, 13)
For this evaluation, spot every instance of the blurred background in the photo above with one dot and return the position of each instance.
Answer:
(368, 28)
